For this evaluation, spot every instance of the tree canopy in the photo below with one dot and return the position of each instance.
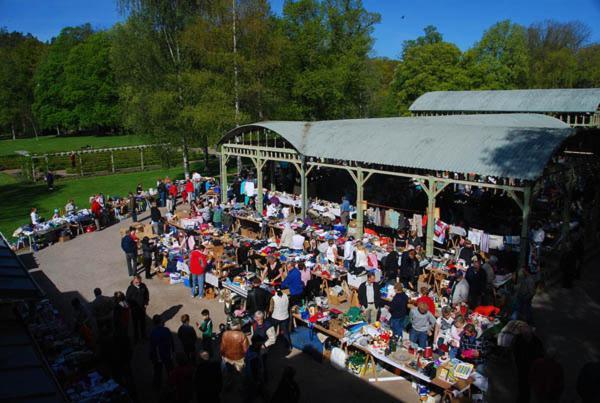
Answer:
(184, 72)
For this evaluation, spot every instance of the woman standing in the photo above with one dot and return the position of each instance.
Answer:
(361, 256)
(280, 315)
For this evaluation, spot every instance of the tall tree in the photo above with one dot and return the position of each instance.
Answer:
(500, 60)
(553, 48)
(19, 56)
(90, 90)
(325, 59)
(50, 79)
(428, 64)
(162, 23)
(588, 66)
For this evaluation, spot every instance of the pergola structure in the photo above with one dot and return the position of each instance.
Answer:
(578, 107)
(45, 157)
(505, 151)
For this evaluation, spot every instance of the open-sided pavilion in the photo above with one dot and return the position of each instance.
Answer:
(502, 151)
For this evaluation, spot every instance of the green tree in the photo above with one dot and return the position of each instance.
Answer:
(382, 102)
(90, 90)
(428, 64)
(588, 66)
(19, 56)
(553, 48)
(50, 106)
(161, 23)
(325, 58)
(500, 60)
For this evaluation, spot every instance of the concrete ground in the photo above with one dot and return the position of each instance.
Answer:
(566, 320)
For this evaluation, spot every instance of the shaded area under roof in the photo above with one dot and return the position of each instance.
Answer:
(576, 100)
(15, 280)
(502, 145)
(26, 377)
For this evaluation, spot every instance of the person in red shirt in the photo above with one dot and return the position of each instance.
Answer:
(198, 263)
(97, 211)
(427, 300)
(189, 191)
(172, 201)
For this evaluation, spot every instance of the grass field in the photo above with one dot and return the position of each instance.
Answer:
(53, 143)
(18, 197)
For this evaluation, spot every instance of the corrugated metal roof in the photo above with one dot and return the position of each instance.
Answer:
(576, 100)
(503, 145)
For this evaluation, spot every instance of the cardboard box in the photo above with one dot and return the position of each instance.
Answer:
(64, 238)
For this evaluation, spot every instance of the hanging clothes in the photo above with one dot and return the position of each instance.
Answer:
(394, 219)
(496, 242)
(485, 242)
(249, 188)
(456, 230)
(372, 260)
(439, 232)
(418, 224)
(475, 236)
(377, 217)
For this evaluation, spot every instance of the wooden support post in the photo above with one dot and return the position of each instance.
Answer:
(47, 162)
(112, 161)
(33, 169)
(525, 206)
(223, 161)
(303, 188)
(80, 165)
(259, 184)
(430, 190)
(272, 175)
(142, 158)
(359, 201)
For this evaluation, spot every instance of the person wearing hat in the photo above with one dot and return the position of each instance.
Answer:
(477, 280)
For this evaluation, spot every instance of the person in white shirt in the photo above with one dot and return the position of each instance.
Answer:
(331, 254)
(348, 252)
(280, 314)
(35, 218)
(298, 242)
(361, 256)
(460, 293)
(286, 236)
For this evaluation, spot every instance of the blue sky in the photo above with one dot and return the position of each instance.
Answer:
(460, 21)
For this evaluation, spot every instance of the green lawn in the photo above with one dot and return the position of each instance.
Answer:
(17, 198)
(53, 143)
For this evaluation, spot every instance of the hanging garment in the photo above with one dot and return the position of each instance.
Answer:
(394, 218)
(475, 236)
(372, 259)
(401, 221)
(439, 232)
(485, 242)
(243, 188)
(377, 217)
(456, 230)
(496, 242)
(512, 239)
(418, 224)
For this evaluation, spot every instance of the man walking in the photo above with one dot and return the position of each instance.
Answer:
(130, 248)
(138, 298)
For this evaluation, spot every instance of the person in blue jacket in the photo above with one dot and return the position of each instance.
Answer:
(293, 282)
(129, 246)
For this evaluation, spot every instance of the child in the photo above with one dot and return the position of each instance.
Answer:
(206, 327)
(455, 333)
(443, 328)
